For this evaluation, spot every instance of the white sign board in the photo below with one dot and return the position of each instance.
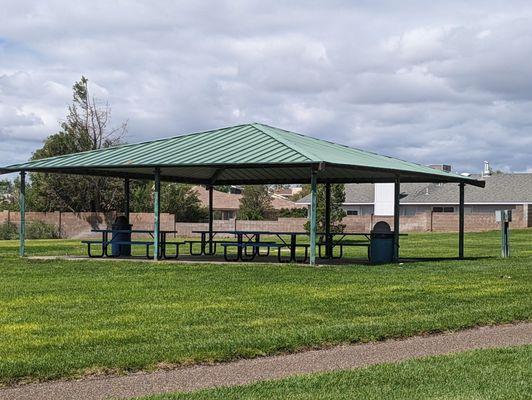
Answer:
(384, 193)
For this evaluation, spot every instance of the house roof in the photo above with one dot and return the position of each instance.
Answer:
(229, 201)
(220, 200)
(500, 188)
(243, 154)
(279, 202)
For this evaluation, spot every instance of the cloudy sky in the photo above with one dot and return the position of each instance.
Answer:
(431, 82)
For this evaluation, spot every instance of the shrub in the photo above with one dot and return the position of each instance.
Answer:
(293, 212)
(8, 230)
(41, 230)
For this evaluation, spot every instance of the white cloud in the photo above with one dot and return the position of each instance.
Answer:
(450, 83)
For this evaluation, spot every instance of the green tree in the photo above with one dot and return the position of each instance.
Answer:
(176, 198)
(223, 188)
(304, 192)
(86, 128)
(8, 195)
(141, 196)
(337, 212)
(182, 201)
(256, 203)
(293, 212)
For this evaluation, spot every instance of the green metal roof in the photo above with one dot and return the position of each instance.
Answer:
(243, 154)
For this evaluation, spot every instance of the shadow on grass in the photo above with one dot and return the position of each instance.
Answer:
(425, 259)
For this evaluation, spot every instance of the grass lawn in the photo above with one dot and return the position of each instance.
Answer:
(65, 318)
(482, 374)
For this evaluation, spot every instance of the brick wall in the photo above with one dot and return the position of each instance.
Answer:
(443, 222)
(364, 223)
(79, 225)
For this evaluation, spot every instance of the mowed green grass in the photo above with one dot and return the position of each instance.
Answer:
(69, 318)
(477, 244)
(482, 374)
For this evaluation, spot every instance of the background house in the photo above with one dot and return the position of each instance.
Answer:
(435, 206)
(287, 192)
(226, 205)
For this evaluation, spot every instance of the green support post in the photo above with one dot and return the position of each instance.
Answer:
(22, 205)
(313, 215)
(211, 218)
(156, 214)
(461, 222)
(328, 238)
(126, 198)
(396, 222)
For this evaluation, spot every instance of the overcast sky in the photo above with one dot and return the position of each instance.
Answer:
(430, 82)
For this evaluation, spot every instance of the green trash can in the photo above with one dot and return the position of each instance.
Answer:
(381, 244)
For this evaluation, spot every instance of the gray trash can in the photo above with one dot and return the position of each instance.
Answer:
(121, 224)
(382, 242)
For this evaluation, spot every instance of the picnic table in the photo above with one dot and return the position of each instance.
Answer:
(245, 238)
(105, 242)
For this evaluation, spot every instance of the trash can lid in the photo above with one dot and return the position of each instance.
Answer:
(381, 227)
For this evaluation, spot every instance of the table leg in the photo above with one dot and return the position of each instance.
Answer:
(293, 244)
(163, 245)
(240, 241)
(209, 247)
(105, 238)
(257, 240)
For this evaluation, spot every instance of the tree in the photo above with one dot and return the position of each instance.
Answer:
(176, 198)
(182, 201)
(337, 212)
(293, 212)
(141, 196)
(305, 191)
(86, 128)
(255, 203)
(8, 195)
(223, 188)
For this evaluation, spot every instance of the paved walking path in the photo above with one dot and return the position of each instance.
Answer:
(266, 368)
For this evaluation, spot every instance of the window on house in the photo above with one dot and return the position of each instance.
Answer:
(407, 211)
(352, 212)
(443, 209)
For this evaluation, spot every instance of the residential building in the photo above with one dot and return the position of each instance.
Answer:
(226, 205)
(287, 192)
(423, 201)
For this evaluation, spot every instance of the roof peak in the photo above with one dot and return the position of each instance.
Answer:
(267, 129)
